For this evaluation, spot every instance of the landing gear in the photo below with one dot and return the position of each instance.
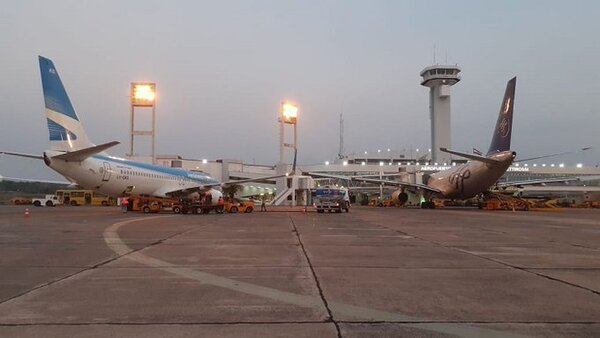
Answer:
(427, 205)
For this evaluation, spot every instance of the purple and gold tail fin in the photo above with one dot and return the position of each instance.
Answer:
(503, 130)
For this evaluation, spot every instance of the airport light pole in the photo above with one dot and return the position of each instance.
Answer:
(143, 95)
(288, 114)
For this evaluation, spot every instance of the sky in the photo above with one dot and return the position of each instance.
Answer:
(222, 69)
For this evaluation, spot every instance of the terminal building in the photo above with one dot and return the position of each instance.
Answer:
(409, 165)
(400, 166)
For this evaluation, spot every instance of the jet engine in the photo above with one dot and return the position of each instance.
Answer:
(400, 196)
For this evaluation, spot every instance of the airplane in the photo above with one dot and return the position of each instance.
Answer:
(75, 157)
(469, 179)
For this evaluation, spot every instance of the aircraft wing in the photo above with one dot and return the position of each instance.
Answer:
(397, 183)
(183, 192)
(82, 154)
(537, 181)
(382, 175)
(553, 155)
(377, 181)
(339, 177)
(473, 157)
(37, 157)
(257, 179)
(203, 188)
(32, 180)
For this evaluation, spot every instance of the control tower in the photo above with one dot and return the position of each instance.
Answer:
(439, 78)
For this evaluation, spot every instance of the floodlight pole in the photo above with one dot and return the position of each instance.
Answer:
(282, 144)
(287, 115)
(281, 139)
(137, 102)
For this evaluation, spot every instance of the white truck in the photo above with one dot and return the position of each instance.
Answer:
(331, 199)
(49, 201)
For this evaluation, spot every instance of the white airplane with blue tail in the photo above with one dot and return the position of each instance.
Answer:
(75, 157)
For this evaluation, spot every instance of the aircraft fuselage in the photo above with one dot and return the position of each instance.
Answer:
(113, 176)
(472, 178)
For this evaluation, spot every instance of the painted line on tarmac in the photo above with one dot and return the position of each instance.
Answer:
(112, 239)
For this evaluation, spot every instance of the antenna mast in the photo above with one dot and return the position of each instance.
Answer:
(341, 150)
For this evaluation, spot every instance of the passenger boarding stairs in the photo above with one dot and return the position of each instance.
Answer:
(282, 196)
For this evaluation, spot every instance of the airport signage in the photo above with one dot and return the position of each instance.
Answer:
(520, 169)
(434, 168)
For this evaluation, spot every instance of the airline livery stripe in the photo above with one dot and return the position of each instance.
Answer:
(181, 173)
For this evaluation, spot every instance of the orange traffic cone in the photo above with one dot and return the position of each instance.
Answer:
(26, 212)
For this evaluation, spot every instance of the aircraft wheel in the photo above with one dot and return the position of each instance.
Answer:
(428, 205)
(402, 198)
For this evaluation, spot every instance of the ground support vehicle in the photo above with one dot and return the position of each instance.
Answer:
(20, 200)
(83, 197)
(331, 199)
(230, 206)
(241, 206)
(147, 204)
(185, 206)
(502, 202)
(49, 201)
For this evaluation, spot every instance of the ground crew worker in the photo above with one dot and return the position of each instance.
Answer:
(220, 205)
(124, 204)
(263, 205)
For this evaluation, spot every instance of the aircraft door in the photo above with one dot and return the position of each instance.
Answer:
(106, 174)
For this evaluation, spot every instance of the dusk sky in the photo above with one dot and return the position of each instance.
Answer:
(223, 67)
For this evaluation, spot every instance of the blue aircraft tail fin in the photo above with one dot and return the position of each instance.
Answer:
(65, 130)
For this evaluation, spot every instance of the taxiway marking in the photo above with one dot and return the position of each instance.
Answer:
(112, 239)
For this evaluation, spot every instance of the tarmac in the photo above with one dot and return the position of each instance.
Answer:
(373, 272)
